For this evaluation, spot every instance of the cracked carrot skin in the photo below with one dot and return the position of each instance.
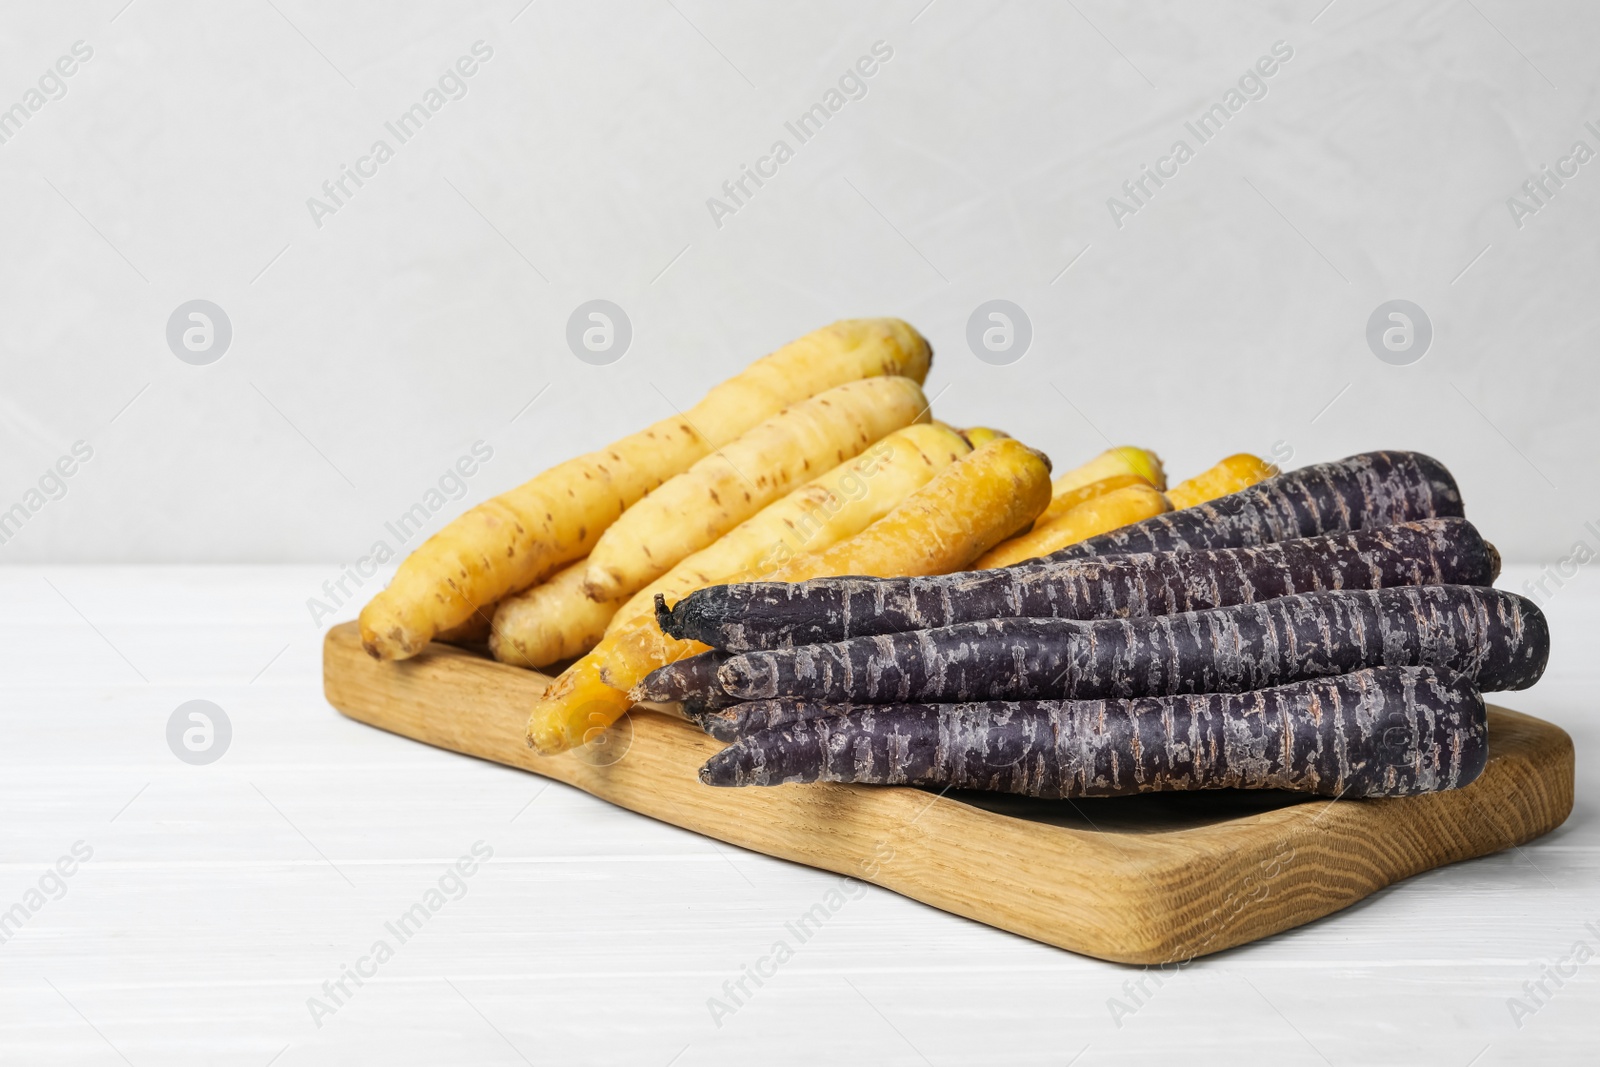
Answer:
(507, 543)
(965, 509)
(760, 615)
(751, 717)
(1384, 732)
(1499, 640)
(683, 679)
(703, 703)
(691, 511)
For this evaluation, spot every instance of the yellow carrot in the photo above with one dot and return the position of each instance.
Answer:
(1116, 508)
(1125, 459)
(722, 490)
(1063, 502)
(551, 622)
(818, 515)
(506, 544)
(1237, 472)
(964, 511)
(978, 436)
(557, 620)
(969, 506)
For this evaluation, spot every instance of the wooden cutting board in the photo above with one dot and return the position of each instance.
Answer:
(1153, 879)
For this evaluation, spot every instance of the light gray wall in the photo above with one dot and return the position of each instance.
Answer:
(370, 352)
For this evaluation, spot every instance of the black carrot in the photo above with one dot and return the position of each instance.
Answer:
(698, 705)
(1497, 639)
(1356, 493)
(752, 717)
(759, 615)
(682, 678)
(1391, 731)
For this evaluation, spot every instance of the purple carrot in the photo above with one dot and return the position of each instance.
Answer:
(698, 705)
(690, 676)
(1386, 732)
(759, 615)
(1497, 639)
(752, 717)
(1356, 493)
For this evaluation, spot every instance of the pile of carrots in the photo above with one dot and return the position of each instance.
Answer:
(1328, 630)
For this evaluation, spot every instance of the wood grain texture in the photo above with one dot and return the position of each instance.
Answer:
(1172, 881)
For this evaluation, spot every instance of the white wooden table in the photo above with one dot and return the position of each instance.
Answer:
(220, 898)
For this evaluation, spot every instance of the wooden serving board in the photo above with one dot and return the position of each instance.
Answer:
(1153, 879)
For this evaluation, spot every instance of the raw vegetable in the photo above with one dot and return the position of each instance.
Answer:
(1094, 516)
(1386, 732)
(776, 615)
(558, 620)
(504, 545)
(690, 511)
(1231, 475)
(1372, 489)
(688, 677)
(978, 436)
(815, 517)
(553, 621)
(967, 508)
(1061, 503)
(1499, 640)
(706, 702)
(741, 720)
(1125, 459)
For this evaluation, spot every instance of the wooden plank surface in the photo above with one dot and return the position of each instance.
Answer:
(1141, 880)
